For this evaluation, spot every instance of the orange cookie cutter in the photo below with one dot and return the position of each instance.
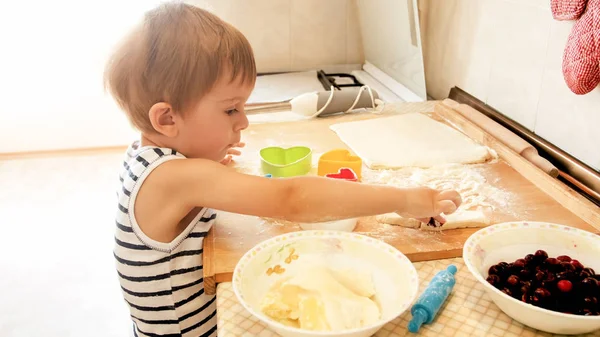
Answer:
(333, 161)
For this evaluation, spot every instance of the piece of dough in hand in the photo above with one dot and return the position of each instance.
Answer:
(397, 220)
(460, 219)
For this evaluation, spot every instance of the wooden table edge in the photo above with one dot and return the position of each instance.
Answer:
(208, 270)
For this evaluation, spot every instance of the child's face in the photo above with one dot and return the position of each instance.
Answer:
(215, 124)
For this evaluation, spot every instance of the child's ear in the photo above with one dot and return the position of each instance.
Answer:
(163, 119)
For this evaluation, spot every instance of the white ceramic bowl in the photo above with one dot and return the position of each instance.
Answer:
(395, 278)
(345, 225)
(510, 241)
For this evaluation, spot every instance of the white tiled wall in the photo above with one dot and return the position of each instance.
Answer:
(290, 35)
(508, 54)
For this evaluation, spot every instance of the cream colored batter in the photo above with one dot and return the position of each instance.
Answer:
(322, 299)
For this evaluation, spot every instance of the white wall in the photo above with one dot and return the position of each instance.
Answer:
(508, 53)
(294, 35)
(391, 41)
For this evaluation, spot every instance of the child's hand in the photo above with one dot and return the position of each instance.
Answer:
(428, 203)
(232, 152)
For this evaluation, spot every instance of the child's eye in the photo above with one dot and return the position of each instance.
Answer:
(231, 111)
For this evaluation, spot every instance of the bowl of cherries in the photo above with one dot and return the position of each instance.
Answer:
(544, 275)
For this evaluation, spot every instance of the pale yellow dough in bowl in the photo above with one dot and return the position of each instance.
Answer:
(325, 283)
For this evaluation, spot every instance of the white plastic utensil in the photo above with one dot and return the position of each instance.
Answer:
(323, 103)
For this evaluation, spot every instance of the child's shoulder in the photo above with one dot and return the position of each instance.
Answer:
(143, 159)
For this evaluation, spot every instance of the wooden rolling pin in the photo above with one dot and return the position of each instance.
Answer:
(504, 135)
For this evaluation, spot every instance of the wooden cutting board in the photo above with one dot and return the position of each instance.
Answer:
(535, 195)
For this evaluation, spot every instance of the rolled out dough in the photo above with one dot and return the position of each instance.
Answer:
(460, 219)
(409, 140)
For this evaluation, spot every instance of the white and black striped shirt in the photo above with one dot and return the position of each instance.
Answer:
(161, 282)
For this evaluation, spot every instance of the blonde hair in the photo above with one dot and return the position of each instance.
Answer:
(175, 55)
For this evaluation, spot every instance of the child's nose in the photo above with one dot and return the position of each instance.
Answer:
(242, 123)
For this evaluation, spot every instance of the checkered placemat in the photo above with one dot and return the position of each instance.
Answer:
(468, 311)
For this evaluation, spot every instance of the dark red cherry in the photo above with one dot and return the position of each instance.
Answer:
(520, 263)
(529, 259)
(525, 274)
(540, 276)
(541, 254)
(564, 275)
(577, 264)
(589, 283)
(513, 280)
(542, 293)
(495, 270)
(564, 258)
(566, 266)
(590, 302)
(493, 280)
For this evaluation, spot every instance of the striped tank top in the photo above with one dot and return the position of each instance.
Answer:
(161, 283)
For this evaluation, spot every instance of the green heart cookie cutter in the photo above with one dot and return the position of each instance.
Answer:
(280, 162)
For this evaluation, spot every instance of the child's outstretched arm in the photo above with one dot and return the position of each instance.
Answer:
(190, 183)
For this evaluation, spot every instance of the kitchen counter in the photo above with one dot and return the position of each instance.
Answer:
(531, 194)
(468, 311)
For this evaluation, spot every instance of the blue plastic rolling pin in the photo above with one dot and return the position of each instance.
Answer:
(432, 299)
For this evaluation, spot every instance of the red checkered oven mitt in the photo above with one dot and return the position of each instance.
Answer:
(567, 9)
(581, 59)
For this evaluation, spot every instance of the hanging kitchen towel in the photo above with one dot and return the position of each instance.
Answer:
(581, 59)
(567, 9)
